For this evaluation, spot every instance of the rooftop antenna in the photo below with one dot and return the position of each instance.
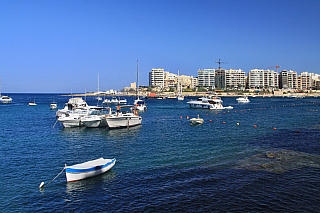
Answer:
(219, 62)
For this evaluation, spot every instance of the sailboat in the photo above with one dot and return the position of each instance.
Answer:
(180, 97)
(98, 97)
(4, 99)
(138, 103)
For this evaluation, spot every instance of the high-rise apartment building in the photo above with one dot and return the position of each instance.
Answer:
(156, 77)
(235, 79)
(206, 77)
(288, 79)
(220, 79)
(262, 79)
(305, 80)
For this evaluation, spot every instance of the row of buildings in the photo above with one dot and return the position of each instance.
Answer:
(236, 79)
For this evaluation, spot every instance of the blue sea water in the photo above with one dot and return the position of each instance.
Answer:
(165, 165)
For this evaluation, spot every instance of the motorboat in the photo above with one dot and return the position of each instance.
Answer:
(243, 99)
(88, 169)
(97, 118)
(208, 102)
(73, 104)
(140, 104)
(70, 120)
(122, 101)
(112, 101)
(32, 103)
(53, 105)
(180, 97)
(5, 99)
(196, 121)
(229, 107)
(124, 118)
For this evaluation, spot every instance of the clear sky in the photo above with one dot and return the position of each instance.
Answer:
(60, 46)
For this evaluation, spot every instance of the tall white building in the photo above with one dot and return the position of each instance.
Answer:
(235, 79)
(262, 79)
(156, 77)
(288, 79)
(206, 77)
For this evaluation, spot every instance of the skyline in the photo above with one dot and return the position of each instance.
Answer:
(61, 46)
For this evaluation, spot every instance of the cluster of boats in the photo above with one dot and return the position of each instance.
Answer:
(78, 113)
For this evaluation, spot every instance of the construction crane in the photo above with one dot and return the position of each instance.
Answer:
(219, 62)
(275, 67)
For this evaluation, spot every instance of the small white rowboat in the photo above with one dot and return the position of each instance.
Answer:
(88, 169)
(195, 121)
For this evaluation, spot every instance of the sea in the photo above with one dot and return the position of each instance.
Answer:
(263, 156)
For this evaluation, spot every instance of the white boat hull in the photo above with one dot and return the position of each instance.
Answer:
(88, 169)
(5, 100)
(69, 122)
(126, 120)
(195, 121)
(205, 105)
(94, 121)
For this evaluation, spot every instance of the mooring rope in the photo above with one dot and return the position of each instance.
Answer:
(42, 184)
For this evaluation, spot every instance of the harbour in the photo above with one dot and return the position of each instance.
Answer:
(262, 156)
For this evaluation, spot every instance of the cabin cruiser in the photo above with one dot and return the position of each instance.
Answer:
(32, 103)
(208, 102)
(97, 118)
(5, 99)
(140, 104)
(53, 105)
(73, 104)
(243, 99)
(124, 118)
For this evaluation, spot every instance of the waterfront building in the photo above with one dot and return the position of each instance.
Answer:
(288, 79)
(170, 80)
(305, 80)
(156, 77)
(262, 79)
(206, 77)
(220, 79)
(235, 79)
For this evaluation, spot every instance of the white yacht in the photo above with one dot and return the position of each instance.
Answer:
(73, 104)
(96, 118)
(3, 98)
(243, 99)
(209, 102)
(32, 103)
(113, 101)
(53, 105)
(122, 101)
(70, 120)
(140, 104)
(124, 119)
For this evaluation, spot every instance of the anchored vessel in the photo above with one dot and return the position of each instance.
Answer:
(89, 169)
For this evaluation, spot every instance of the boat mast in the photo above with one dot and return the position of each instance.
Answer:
(178, 88)
(137, 79)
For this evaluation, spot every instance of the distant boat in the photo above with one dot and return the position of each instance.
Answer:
(195, 121)
(32, 103)
(180, 97)
(138, 103)
(243, 99)
(53, 105)
(88, 169)
(209, 102)
(3, 98)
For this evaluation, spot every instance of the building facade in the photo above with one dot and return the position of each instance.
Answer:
(156, 78)
(206, 77)
(262, 79)
(288, 79)
(235, 79)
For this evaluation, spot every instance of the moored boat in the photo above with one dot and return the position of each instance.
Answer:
(243, 99)
(124, 118)
(195, 121)
(53, 105)
(88, 169)
(4, 99)
(209, 102)
(32, 103)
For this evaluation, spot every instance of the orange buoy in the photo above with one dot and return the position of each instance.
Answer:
(274, 128)
(210, 120)
(180, 116)
(223, 122)
(254, 126)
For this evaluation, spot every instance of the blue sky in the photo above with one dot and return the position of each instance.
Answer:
(60, 46)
